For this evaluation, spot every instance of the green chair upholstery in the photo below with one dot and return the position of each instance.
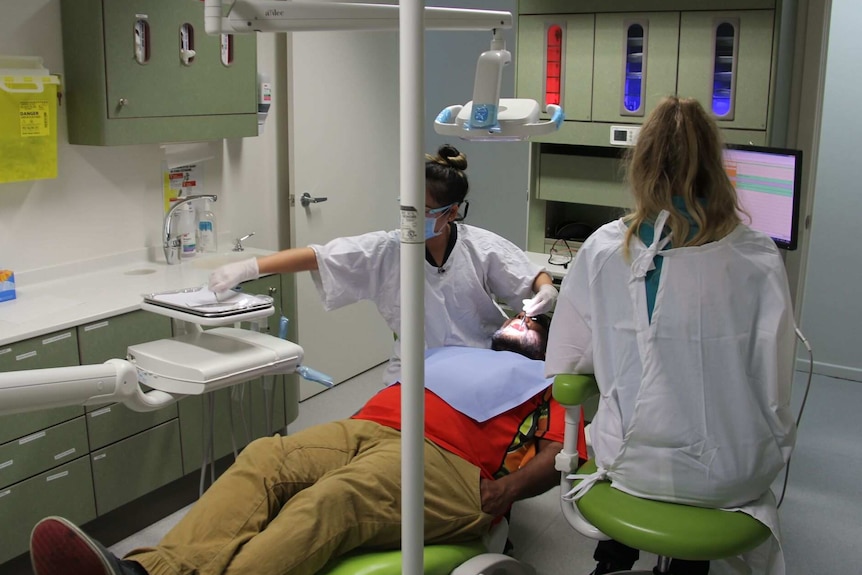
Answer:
(438, 560)
(665, 529)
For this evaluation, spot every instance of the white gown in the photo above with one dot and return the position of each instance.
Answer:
(694, 406)
(460, 306)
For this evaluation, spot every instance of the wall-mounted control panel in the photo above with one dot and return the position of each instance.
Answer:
(624, 135)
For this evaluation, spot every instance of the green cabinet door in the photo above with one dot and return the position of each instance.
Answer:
(618, 60)
(576, 64)
(135, 466)
(582, 180)
(701, 58)
(66, 491)
(102, 340)
(53, 350)
(40, 451)
(118, 93)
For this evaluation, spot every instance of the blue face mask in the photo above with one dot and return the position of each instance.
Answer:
(431, 217)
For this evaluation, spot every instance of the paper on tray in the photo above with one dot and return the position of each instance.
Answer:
(204, 299)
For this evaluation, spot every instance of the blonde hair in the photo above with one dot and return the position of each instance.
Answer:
(679, 153)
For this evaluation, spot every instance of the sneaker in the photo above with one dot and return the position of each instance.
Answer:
(57, 547)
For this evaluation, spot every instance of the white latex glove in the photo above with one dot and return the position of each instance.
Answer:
(542, 302)
(231, 275)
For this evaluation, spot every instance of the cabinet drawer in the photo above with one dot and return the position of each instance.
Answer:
(53, 350)
(135, 466)
(66, 491)
(114, 422)
(110, 338)
(582, 180)
(42, 450)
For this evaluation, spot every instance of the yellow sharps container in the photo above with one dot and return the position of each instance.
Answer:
(28, 120)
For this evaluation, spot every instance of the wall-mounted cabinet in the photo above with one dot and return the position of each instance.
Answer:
(144, 71)
(615, 66)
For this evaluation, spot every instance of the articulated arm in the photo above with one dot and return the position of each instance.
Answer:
(114, 380)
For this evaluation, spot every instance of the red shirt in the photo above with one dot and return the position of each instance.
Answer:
(497, 446)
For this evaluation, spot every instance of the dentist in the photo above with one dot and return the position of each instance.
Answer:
(467, 269)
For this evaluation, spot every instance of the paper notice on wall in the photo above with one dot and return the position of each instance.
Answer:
(178, 155)
(181, 181)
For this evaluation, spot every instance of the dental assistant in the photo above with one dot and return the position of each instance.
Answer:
(467, 269)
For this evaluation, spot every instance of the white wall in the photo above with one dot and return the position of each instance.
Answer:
(498, 172)
(831, 309)
(107, 200)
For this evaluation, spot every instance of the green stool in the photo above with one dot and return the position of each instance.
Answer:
(668, 530)
(470, 558)
(438, 560)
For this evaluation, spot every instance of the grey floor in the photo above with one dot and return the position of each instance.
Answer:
(821, 515)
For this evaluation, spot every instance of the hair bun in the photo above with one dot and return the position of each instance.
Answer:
(451, 156)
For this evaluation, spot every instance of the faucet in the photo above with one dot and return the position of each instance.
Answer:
(173, 245)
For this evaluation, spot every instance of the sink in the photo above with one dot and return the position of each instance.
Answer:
(213, 261)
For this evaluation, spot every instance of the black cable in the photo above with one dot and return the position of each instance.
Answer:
(801, 408)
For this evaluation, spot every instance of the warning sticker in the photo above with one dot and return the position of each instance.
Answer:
(33, 118)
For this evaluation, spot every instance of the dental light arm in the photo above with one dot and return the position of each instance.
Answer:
(246, 16)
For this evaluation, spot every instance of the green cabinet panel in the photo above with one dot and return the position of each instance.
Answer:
(113, 98)
(110, 338)
(661, 42)
(135, 466)
(42, 450)
(66, 491)
(752, 65)
(582, 180)
(102, 340)
(114, 422)
(577, 69)
(53, 350)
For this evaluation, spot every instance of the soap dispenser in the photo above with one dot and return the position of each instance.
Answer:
(207, 237)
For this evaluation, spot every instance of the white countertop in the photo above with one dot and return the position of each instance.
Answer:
(54, 299)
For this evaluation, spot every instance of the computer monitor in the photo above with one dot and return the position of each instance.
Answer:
(768, 181)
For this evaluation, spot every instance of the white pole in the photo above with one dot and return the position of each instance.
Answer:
(412, 72)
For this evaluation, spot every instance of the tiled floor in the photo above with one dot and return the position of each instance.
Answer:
(821, 515)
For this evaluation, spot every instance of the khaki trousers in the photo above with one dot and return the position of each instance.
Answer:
(289, 504)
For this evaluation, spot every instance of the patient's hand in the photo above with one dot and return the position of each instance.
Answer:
(496, 499)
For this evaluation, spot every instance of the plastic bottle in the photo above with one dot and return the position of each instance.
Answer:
(187, 229)
(207, 240)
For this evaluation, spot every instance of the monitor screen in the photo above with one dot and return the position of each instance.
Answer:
(767, 181)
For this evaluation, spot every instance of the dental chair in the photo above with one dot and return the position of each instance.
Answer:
(668, 530)
(482, 556)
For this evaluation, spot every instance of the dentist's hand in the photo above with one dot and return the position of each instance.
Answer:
(230, 275)
(542, 302)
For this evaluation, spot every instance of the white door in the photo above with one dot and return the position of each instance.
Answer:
(343, 117)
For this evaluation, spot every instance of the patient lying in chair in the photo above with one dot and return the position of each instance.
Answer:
(290, 504)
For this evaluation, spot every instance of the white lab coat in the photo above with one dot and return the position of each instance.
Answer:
(460, 306)
(694, 406)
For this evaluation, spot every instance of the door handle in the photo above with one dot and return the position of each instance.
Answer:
(305, 199)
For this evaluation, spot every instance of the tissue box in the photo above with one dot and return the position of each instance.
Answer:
(7, 285)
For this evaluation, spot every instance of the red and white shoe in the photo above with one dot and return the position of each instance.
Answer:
(58, 547)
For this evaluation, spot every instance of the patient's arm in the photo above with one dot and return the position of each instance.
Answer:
(534, 478)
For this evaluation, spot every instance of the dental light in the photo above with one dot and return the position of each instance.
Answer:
(487, 117)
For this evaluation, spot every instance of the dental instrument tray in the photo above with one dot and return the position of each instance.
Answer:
(201, 306)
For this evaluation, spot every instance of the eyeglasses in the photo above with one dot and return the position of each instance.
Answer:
(560, 253)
